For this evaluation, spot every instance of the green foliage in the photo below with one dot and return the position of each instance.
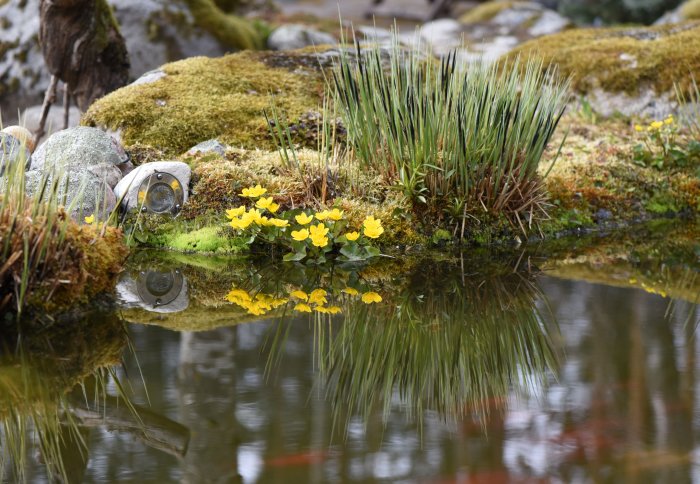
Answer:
(329, 235)
(455, 140)
(662, 146)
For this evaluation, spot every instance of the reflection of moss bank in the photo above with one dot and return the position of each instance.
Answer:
(202, 98)
(622, 59)
(661, 258)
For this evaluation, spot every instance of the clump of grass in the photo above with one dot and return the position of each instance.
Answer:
(43, 250)
(458, 140)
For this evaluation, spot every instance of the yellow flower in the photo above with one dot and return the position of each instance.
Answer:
(322, 215)
(318, 230)
(656, 124)
(335, 214)
(318, 296)
(371, 297)
(264, 203)
(319, 241)
(669, 120)
(278, 222)
(273, 207)
(638, 128)
(299, 295)
(238, 295)
(90, 219)
(372, 227)
(252, 216)
(302, 308)
(300, 235)
(263, 222)
(303, 219)
(352, 236)
(253, 192)
(239, 223)
(350, 291)
(235, 212)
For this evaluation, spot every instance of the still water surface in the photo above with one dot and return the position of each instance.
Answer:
(484, 369)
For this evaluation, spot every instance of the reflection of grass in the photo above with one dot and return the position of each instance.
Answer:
(448, 343)
(36, 381)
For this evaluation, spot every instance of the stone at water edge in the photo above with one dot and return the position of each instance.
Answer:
(107, 172)
(77, 148)
(13, 151)
(127, 190)
(24, 136)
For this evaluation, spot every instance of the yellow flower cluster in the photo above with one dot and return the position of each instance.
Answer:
(317, 297)
(372, 227)
(258, 305)
(655, 125)
(241, 219)
(253, 192)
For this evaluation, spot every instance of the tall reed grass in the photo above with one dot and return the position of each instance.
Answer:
(42, 249)
(458, 140)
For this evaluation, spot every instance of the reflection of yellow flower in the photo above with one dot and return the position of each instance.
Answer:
(264, 203)
(238, 295)
(303, 219)
(253, 192)
(90, 219)
(350, 291)
(352, 236)
(235, 212)
(300, 235)
(278, 222)
(318, 296)
(371, 297)
(335, 214)
(322, 215)
(299, 295)
(372, 227)
(334, 310)
(302, 308)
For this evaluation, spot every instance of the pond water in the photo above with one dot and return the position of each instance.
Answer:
(571, 362)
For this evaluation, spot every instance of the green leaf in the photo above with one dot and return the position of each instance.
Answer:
(295, 256)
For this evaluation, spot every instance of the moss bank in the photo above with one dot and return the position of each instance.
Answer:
(486, 11)
(690, 10)
(202, 98)
(622, 59)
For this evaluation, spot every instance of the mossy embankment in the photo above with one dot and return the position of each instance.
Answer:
(621, 59)
(203, 98)
(690, 10)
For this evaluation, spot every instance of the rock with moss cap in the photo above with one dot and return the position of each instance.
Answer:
(631, 70)
(202, 98)
(689, 10)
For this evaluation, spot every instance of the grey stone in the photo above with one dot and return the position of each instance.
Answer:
(12, 151)
(77, 148)
(106, 172)
(209, 146)
(297, 36)
(443, 35)
(150, 77)
(548, 23)
(95, 197)
(647, 102)
(127, 189)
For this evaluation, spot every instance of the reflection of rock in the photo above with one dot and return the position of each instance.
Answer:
(158, 187)
(158, 291)
(207, 393)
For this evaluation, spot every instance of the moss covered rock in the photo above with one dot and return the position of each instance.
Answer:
(627, 69)
(198, 99)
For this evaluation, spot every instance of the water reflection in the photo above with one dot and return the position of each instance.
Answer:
(57, 383)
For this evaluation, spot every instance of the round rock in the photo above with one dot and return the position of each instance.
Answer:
(13, 151)
(77, 148)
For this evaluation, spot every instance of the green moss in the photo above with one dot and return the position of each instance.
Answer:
(621, 59)
(231, 30)
(486, 11)
(690, 10)
(207, 239)
(203, 98)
